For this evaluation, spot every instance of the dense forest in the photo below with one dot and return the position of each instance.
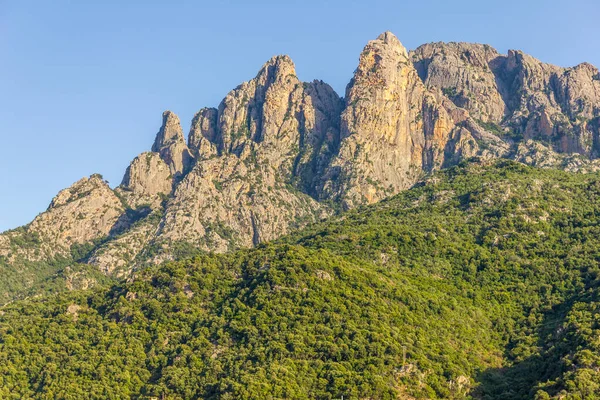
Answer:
(481, 282)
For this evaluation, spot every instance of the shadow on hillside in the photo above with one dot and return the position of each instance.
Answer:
(128, 218)
(520, 380)
(515, 382)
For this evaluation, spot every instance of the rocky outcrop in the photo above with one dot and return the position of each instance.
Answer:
(147, 181)
(268, 138)
(278, 153)
(577, 90)
(171, 146)
(86, 211)
(204, 135)
(392, 129)
(518, 96)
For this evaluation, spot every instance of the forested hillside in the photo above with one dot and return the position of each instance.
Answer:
(481, 282)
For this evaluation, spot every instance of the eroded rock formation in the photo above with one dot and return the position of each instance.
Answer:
(278, 153)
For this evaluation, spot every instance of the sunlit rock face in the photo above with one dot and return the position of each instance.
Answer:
(278, 153)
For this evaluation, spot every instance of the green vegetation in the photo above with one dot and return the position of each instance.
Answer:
(23, 239)
(486, 278)
(218, 184)
(22, 278)
(80, 252)
(27, 269)
(492, 127)
(497, 130)
(450, 91)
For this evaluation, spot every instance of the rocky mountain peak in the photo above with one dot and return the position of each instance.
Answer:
(81, 188)
(389, 38)
(277, 67)
(171, 146)
(257, 111)
(391, 130)
(277, 151)
(517, 95)
(383, 63)
(387, 43)
(463, 72)
(170, 132)
(87, 210)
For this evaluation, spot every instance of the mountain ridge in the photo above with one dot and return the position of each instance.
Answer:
(278, 153)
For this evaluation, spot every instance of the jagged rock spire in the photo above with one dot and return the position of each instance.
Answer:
(256, 110)
(391, 129)
(381, 64)
(268, 131)
(170, 132)
(171, 146)
(146, 178)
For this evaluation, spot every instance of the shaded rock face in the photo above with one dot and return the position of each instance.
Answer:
(517, 93)
(464, 72)
(278, 153)
(203, 136)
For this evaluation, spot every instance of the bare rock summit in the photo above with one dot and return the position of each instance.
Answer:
(278, 153)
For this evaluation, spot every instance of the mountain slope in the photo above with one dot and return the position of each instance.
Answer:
(485, 276)
(278, 154)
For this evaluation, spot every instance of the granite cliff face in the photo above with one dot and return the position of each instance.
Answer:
(254, 154)
(147, 180)
(278, 153)
(170, 145)
(518, 96)
(392, 128)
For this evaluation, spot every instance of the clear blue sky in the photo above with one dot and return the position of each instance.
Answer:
(83, 83)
